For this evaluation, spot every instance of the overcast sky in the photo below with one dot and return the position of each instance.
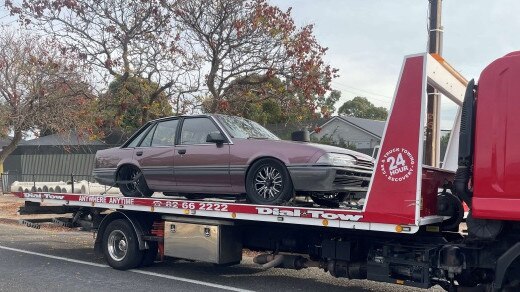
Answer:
(367, 39)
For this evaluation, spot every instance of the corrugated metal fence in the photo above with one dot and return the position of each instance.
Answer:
(52, 167)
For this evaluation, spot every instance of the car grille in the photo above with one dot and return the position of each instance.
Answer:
(365, 163)
(351, 179)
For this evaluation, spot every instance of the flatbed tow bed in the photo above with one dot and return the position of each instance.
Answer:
(207, 208)
(405, 232)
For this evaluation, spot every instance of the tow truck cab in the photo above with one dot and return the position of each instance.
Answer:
(488, 177)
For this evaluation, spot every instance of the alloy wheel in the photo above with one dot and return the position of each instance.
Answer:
(268, 182)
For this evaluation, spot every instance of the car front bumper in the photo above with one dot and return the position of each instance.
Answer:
(329, 179)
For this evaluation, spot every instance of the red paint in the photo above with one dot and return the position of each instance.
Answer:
(497, 141)
(432, 180)
(395, 201)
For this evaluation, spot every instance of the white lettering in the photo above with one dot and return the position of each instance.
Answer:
(92, 199)
(315, 214)
(121, 201)
(264, 211)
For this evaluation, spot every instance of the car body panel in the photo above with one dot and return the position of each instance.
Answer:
(108, 162)
(157, 164)
(204, 165)
(210, 168)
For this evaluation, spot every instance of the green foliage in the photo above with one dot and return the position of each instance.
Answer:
(327, 105)
(267, 100)
(444, 143)
(329, 140)
(129, 103)
(360, 107)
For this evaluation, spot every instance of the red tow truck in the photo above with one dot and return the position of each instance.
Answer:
(405, 231)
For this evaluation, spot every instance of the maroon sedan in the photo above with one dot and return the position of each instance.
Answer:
(208, 155)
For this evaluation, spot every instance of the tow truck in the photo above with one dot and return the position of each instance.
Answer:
(406, 231)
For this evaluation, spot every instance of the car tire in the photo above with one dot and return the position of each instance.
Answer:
(137, 189)
(268, 183)
(120, 246)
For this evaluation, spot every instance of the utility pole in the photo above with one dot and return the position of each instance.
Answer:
(432, 143)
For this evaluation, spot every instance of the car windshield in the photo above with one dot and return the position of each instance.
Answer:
(242, 128)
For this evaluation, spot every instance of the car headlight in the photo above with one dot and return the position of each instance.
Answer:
(336, 159)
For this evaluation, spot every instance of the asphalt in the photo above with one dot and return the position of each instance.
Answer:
(61, 260)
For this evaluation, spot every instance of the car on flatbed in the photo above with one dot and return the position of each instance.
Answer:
(212, 155)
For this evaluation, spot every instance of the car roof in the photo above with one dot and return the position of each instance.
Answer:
(182, 116)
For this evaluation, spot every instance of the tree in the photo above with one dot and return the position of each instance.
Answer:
(362, 108)
(243, 38)
(271, 103)
(327, 105)
(116, 108)
(40, 89)
(121, 39)
(445, 139)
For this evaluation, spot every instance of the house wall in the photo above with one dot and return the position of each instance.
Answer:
(338, 129)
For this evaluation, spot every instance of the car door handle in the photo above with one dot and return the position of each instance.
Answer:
(181, 151)
(139, 153)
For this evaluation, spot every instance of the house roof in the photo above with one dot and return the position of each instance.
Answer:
(373, 127)
(70, 139)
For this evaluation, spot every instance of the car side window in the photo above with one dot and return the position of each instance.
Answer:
(165, 133)
(196, 130)
(147, 141)
(137, 139)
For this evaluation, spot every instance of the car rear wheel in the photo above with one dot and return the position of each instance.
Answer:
(132, 183)
(268, 182)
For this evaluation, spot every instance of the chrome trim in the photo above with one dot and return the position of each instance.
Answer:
(200, 144)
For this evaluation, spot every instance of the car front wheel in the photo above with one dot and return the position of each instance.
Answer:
(268, 182)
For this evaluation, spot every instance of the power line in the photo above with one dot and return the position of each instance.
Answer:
(367, 97)
(362, 90)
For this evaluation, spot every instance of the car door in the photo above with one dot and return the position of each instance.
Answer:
(200, 164)
(155, 155)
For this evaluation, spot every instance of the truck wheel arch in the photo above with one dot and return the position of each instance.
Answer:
(504, 264)
(137, 224)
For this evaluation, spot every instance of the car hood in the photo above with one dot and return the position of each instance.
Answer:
(329, 149)
(334, 149)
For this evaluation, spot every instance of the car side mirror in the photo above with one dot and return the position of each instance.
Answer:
(215, 137)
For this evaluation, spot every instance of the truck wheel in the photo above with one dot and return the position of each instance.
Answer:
(120, 246)
(268, 182)
(138, 186)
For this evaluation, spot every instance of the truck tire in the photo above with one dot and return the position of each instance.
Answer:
(120, 246)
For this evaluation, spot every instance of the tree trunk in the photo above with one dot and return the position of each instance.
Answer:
(210, 82)
(6, 150)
